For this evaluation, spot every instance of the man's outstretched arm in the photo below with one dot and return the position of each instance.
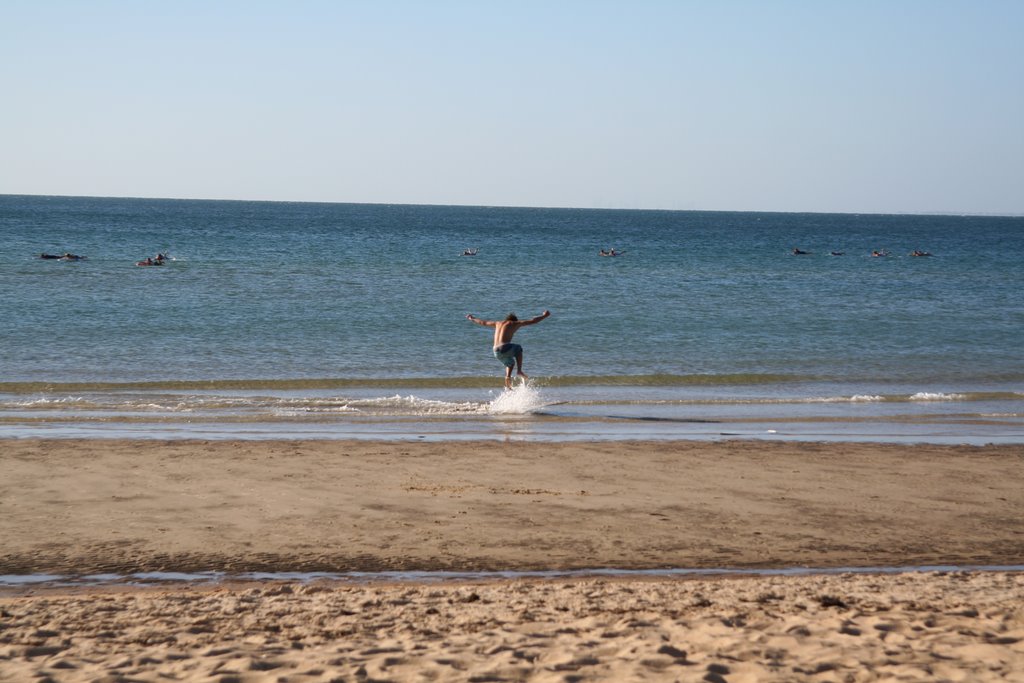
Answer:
(479, 321)
(540, 317)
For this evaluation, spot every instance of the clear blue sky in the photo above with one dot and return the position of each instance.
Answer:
(867, 106)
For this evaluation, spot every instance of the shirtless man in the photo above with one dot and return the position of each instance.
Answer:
(504, 350)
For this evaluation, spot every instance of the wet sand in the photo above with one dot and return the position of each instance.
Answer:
(79, 507)
(87, 506)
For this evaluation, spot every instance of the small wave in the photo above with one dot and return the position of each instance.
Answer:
(97, 403)
(308, 410)
(415, 405)
(936, 396)
(858, 398)
(244, 405)
(46, 402)
(381, 406)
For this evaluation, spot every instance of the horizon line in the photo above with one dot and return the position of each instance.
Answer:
(518, 206)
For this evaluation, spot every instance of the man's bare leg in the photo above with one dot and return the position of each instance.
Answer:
(508, 378)
(519, 366)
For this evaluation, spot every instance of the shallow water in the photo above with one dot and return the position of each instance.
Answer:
(345, 320)
(164, 578)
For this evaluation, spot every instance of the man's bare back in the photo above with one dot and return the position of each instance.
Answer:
(503, 331)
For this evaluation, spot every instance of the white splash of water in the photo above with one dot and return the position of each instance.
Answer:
(521, 399)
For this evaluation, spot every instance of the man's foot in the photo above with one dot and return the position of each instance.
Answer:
(522, 375)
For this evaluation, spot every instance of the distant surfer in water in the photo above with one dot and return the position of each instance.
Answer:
(510, 355)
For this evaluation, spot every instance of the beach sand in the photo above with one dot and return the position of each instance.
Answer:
(80, 507)
(914, 627)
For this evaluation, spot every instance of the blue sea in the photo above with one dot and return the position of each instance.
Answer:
(317, 320)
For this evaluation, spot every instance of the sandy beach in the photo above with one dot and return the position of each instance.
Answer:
(914, 627)
(81, 507)
(87, 506)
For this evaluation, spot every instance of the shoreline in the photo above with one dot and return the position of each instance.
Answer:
(919, 412)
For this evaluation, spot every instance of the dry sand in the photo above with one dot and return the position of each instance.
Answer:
(75, 507)
(914, 627)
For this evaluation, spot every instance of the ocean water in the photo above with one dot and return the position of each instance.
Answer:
(348, 320)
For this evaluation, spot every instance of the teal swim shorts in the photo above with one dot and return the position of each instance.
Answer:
(507, 353)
